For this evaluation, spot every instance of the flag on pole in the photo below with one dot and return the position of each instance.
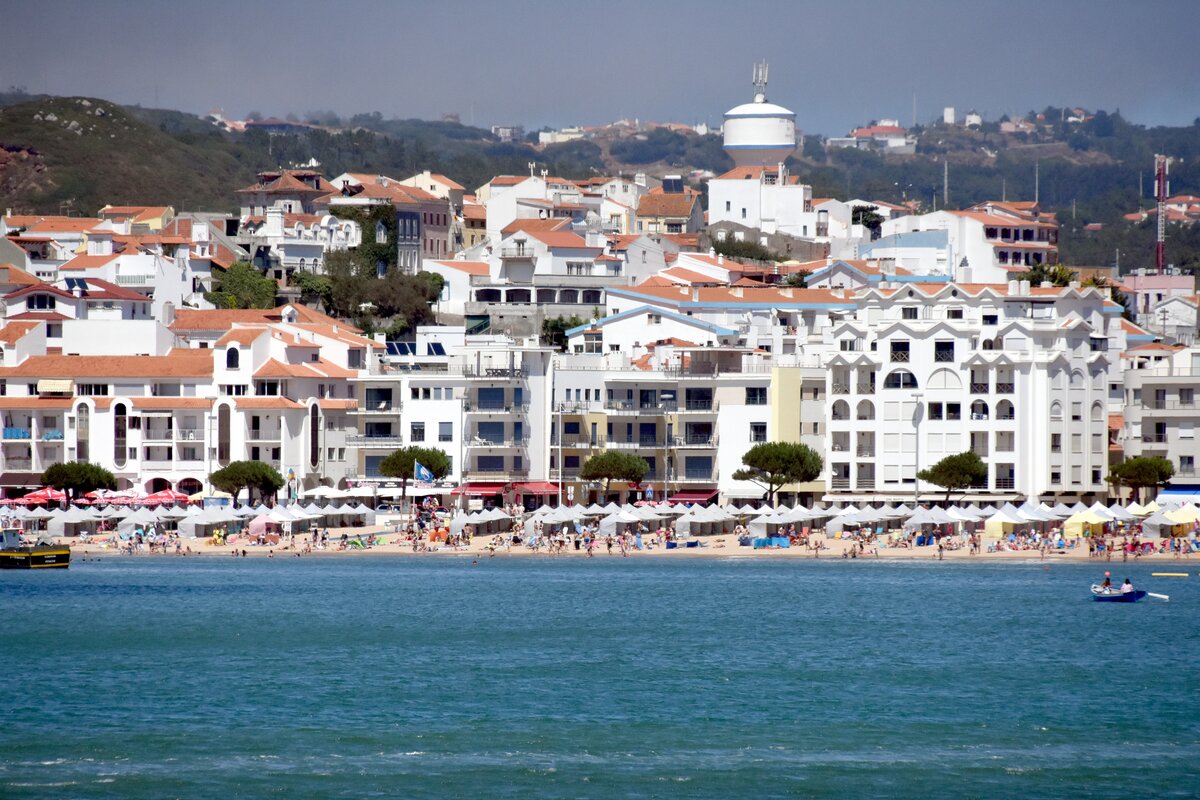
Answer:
(421, 474)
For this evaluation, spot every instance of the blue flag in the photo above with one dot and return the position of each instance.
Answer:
(421, 474)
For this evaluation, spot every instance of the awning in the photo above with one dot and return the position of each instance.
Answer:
(55, 386)
(537, 487)
(20, 479)
(480, 489)
(692, 497)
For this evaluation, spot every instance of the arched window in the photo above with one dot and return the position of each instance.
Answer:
(232, 358)
(1006, 410)
(866, 409)
(314, 436)
(1077, 378)
(987, 344)
(1056, 411)
(944, 379)
(979, 410)
(120, 428)
(1097, 412)
(900, 379)
(841, 410)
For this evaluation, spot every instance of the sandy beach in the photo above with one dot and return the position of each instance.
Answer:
(390, 543)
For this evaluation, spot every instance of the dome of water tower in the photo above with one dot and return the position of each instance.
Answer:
(759, 133)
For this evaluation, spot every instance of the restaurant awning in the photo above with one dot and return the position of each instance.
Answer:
(480, 489)
(537, 487)
(702, 496)
(22, 479)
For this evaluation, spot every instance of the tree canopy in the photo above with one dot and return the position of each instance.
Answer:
(614, 465)
(775, 464)
(1143, 472)
(254, 475)
(956, 472)
(402, 464)
(241, 286)
(77, 478)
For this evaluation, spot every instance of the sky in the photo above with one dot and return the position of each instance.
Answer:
(836, 64)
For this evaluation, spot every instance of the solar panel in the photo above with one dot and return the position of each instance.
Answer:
(436, 349)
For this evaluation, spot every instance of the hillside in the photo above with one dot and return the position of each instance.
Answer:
(80, 153)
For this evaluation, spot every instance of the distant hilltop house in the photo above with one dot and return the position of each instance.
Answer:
(1182, 208)
(887, 135)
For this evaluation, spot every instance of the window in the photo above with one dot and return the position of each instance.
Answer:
(1076, 443)
(445, 431)
(900, 351)
(991, 319)
(758, 431)
(935, 411)
(943, 351)
(89, 389)
(232, 358)
(727, 204)
(908, 312)
(1187, 397)
(900, 379)
(1076, 411)
(954, 313)
(1056, 443)
(953, 411)
(416, 432)
(756, 395)
(1055, 477)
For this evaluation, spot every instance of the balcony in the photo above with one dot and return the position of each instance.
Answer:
(695, 476)
(866, 451)
(23, 464)
(497, 475)
(866, 388)
(474, 407)
(157, 434)
(836, 417)
(839, 483)
(1006, 483)
(189, 434)
(270, 433)
(1154, 438)
(1189, 469)
(865, 482)
(943, 355)
(52, 435)
(699, 406)
(899, 357)
(1004, 388)
(378, 407)
(517, 253)
(979, 388)
(643, 409)
(374, 440)
(16, 433)
(839, 388)
(482, 442)
(644, 441)
(1008, 417)
(696, 440)
(493, 372)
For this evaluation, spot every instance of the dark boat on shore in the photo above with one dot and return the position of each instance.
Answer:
(14, 555)
(1114, 595)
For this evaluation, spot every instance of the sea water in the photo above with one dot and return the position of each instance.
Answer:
(601, 678)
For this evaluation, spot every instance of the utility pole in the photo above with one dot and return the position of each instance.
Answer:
(945, 183)
(1037, 181)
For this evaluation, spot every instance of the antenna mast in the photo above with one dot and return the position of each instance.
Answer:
(1161, 189)
(760, 82)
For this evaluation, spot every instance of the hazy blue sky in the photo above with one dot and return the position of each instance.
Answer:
(836, 64)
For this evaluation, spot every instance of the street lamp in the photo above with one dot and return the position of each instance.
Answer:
(917, 414)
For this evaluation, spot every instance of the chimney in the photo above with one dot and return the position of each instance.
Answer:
(787, 292)
(1012, 287)
(274, 225)
(738, 291)
(1025, 287)
(720, 259)
(695, 294)
(168, 314)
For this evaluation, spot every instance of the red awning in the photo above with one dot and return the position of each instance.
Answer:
(537, 487)
(693, 497)
(480, 489)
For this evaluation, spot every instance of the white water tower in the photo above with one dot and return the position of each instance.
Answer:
(759, 133)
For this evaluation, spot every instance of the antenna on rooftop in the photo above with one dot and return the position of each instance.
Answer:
(760, 82)
(1161, 189)
(531, 165)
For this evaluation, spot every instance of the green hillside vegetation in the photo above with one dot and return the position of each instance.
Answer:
(77, 154)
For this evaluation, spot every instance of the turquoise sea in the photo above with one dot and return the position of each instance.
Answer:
(604, 678)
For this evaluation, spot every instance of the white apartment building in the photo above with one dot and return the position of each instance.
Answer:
(1161, 410)
(1018, 374)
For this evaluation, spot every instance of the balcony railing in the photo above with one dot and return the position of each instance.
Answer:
(16, 433)
(695, 440)
(189, 434)
(378, 407)
(1007, 417)
(839, 483)
(840, 388)
(516, 252)
(979, 388)
(472, 371)
(18, 463)
(699, 405)
(839, 417)
(866, 415)
(867, 451)
(865, 482)
(269, 434)
(157, 434)
(1004, 388)
(900, 357)
(486, 441)
(1006, 483)
(475, 407)
(866, 388)
(374, 440)
(52, 435)
(943, 355)
(634, 407)
(1154, 438)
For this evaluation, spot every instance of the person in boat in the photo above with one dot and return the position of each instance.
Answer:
(1126, 587)
(1107, 586)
